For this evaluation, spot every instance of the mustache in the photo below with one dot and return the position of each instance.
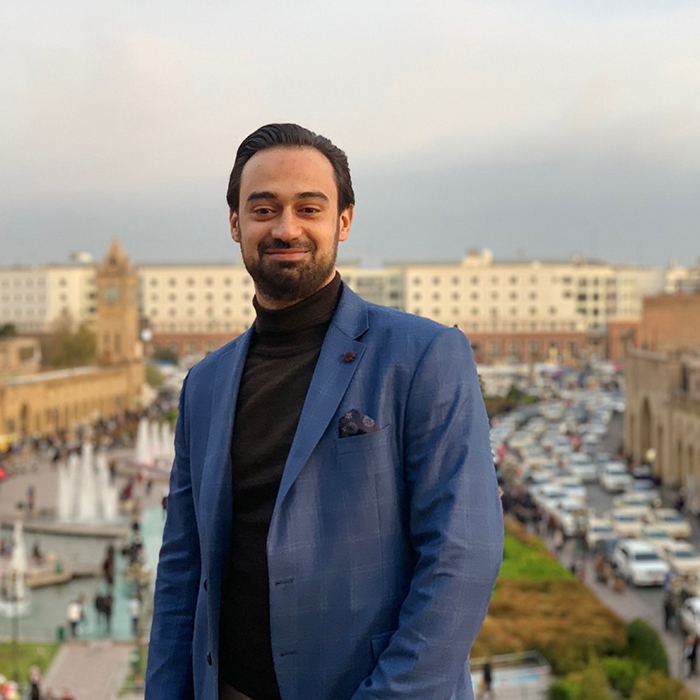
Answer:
(276, 244)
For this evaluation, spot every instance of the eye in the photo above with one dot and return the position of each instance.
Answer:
(310, 210)
(262, 211)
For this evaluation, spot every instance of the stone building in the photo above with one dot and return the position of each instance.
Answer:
(662, 420)
(42, 402)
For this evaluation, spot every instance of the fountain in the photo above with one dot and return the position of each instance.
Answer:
(85, 494)
(14, 596)
(144, 453)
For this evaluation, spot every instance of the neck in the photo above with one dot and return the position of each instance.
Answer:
(276, 304)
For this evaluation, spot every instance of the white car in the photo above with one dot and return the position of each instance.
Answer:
(690, 615)
(673, 522)
(572, 516)
(626, 523)
(614, 477)
(598, 529)
(549, 497)
(573, 485)
(681, 557)
(646, 488)
(656, 536)
(582, 466)
(633, 501)
(640, 563)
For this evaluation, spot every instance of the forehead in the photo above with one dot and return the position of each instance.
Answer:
(288, 171)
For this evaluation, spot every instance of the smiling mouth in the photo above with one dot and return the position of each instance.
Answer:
(286, 254)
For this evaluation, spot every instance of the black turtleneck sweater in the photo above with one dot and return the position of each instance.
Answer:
(281, 360)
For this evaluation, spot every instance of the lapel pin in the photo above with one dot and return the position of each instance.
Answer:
(349, 356)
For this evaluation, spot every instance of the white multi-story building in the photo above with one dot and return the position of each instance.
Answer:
(682, 280)
(504, 305)
(38, 299)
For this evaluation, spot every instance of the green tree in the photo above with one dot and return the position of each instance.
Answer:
(153, 375)
(593, 684)
(644, 644)
(657, 686)
(8, 330)
(165, 355)
(62, 348)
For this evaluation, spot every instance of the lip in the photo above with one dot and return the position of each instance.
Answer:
(287, 254)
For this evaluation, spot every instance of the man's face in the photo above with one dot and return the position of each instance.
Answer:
(287, 223)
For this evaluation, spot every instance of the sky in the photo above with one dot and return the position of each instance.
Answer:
(536, 129)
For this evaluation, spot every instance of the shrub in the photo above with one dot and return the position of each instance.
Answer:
(643, 643)
(622, 673)
(593, 684)
(560, 618)
(563, 690)
(657, 686)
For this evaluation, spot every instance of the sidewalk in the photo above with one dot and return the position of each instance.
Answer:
(628, 606)
(91, 671)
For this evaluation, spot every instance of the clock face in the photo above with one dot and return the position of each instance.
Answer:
(110, 295)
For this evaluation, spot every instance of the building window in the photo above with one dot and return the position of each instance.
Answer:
(209, 282)
(513, 280)
(475, 311)
(227, 296)
(514, 349)
(172, 297)
(190, 297)
(172, 312)
(513, 311)
(172, 281)
(190, 281)
(494, 295)
(455, 296)
(154, 312)
(533, 310)
(552, 310)
(190, 312)
(416, 312)
(513, 295)
(154, 283)
(436, 296)
(63, 282)
(494, 280)
(455, 280)
(436, 312)
(436, 280)
(210, 296)
(494, 349)
(227, 281)
(475, 295)
(227, 311)
(475, 280)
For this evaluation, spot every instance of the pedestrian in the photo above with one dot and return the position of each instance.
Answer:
(107, 603)
(485, 687)
(691, 649)
(135, 614)
(680, 499)
(34, 683)
(99, 607)
(669, 611)
(149, 487)
(31, 500)
(558, 540)
(353, 530)
(73, 616)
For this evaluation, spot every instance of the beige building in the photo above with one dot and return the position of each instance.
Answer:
(19, 356)
(47, 401)
(663, 390)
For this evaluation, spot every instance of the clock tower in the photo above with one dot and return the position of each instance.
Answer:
(117, 327)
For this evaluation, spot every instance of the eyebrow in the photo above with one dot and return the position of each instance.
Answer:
(315, 194)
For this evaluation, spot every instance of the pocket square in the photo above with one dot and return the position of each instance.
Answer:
(355, 423)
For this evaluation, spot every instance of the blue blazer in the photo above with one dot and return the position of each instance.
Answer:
(383, 548)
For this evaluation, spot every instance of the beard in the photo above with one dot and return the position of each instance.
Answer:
(293, 280)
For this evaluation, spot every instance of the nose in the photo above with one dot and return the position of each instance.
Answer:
(287, 227)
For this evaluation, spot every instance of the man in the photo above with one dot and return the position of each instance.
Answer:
(334, 530)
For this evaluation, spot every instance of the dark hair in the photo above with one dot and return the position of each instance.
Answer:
(290, 136)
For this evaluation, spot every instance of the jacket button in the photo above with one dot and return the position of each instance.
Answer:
(206, 587)
(209, 661)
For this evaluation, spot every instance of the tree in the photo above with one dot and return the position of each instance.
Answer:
(153, 375)
(62, 348)
(9, 330)
(165, 355)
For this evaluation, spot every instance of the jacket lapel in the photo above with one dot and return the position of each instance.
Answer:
(217, 467)
(328, 384)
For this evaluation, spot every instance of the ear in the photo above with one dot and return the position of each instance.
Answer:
(345, 221)
(234, 223)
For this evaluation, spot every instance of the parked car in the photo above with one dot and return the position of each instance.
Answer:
(633, 501)
(598, 529)
(671, 521)
(572, 516)
(606, 548)
(640, 563)
(656, 536)
(573, 485)
(626, 523)
(582, 466)
(681, 557)
(646, 488)
(690, 615)
(614, 477)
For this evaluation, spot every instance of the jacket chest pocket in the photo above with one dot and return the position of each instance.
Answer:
(371, 452)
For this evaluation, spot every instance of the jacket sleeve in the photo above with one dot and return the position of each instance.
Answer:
(169, 673)
(456, 528)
